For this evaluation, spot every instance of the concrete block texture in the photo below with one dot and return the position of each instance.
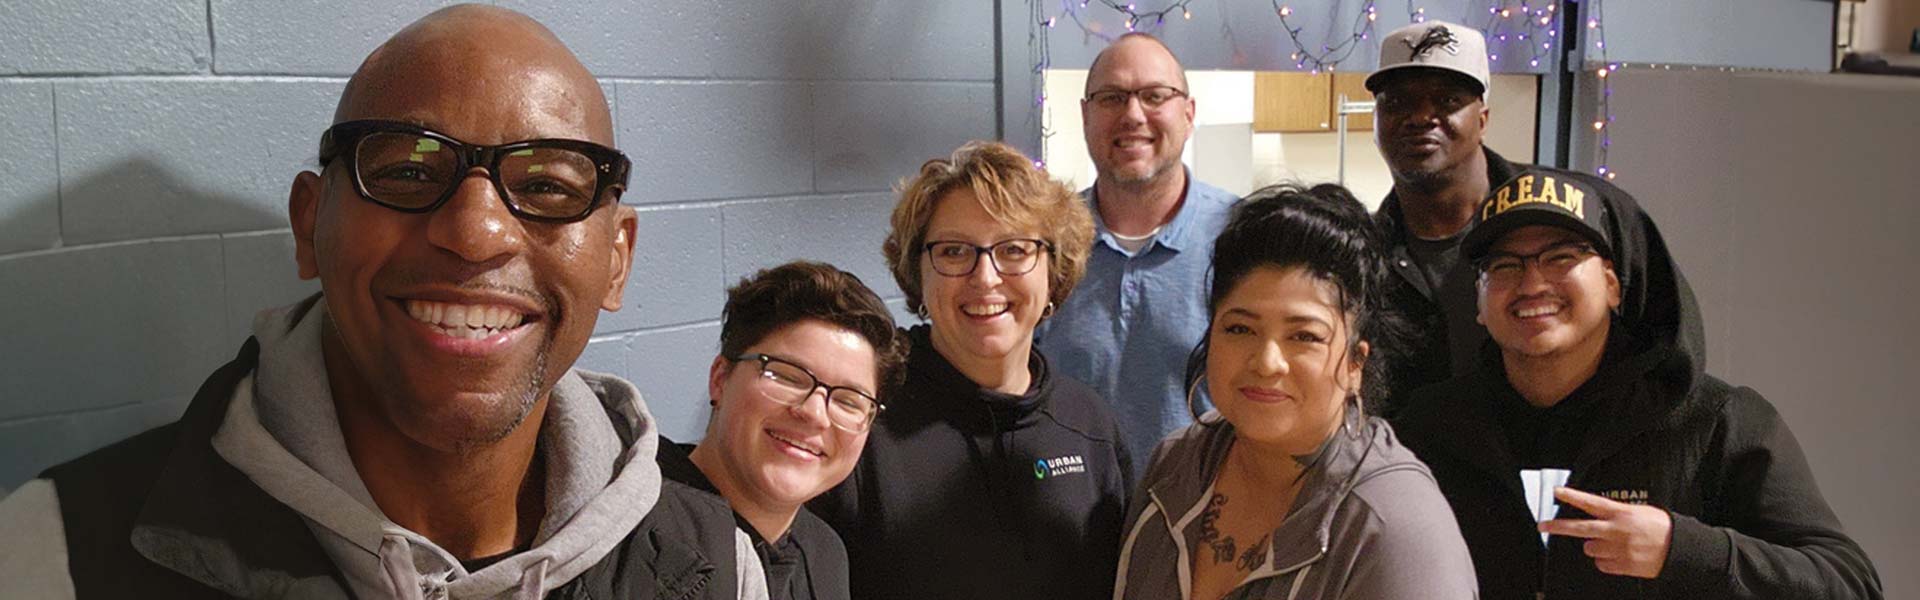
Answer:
(697, 141)
(306, 37)
(762, 39)
(676, 275)
(260, 275)
(843, 230)
(143, 158)
(947, 41)
(31, 445)
(869, 135)
(122, 37)
(670, 368)
(110, 325)
(29, 168)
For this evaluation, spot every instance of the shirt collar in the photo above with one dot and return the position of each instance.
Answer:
(1177, 235)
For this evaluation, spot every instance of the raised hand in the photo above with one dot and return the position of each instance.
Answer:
(1623, 539)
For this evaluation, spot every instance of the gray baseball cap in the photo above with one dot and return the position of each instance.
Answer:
(1433, 45)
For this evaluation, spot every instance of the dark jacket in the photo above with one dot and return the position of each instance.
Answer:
(203, 529)
(1648, 428)
(968, 493)
(808, 563)
(1442, 331)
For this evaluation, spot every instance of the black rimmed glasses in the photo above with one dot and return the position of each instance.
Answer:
(1555, 262)
(790, 384)
(409, 168)
(1009, 257)
(1151, 97)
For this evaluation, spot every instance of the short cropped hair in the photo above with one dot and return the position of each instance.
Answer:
(1012, 190)
(777, 297)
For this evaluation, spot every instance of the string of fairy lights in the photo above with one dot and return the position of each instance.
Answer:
(1596, 20)
(1535, 27)
(1328, 57)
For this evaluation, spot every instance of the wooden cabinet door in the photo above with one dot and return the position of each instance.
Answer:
(1355, 87)
(1292, 102)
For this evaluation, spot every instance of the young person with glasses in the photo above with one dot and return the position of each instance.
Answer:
(806, 354)
(989, 475)
(1588, 454)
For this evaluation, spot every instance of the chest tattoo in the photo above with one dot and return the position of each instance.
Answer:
(1225, 549)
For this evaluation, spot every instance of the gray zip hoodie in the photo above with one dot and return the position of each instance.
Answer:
(1368, 523)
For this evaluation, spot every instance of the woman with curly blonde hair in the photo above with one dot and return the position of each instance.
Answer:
(989, 476)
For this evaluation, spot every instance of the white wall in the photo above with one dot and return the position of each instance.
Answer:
(1790, 201)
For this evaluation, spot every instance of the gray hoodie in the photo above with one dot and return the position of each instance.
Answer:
(1368, 523)
(281, 431)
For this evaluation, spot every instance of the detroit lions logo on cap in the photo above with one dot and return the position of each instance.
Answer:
(1437, 37)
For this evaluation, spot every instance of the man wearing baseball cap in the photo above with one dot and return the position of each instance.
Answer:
(1586, 454)
(1429, 117)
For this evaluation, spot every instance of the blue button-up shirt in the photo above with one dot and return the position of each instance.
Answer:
(1129, 326)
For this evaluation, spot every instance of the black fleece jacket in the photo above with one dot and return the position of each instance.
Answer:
(1648, 428)
(808, 563)
(963, 492)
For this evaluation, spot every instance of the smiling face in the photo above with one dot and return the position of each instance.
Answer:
(779, 456)
(983, 317)
(1541, 317)
(1134, 144)
(1278, 364)
(1428, 122)
(454, 324)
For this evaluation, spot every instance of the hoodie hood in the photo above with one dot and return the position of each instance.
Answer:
(597, 440)
(1657, 306)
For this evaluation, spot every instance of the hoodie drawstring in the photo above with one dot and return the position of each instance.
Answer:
(533, 581)
(396, 559)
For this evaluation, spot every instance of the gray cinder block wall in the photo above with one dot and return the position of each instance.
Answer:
(149, 145)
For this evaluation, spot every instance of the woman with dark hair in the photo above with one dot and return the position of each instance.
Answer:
(1289, 489)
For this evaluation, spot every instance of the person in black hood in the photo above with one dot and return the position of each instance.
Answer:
(1588, 455)
(990, 476)
(786, 333)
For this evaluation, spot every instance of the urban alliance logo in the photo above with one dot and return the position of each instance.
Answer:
(1059, 465)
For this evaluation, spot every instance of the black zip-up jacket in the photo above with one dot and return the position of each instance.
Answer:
(808, 563)
(169, 483)
(967, 493)
(1442, 330)
(1648, 428)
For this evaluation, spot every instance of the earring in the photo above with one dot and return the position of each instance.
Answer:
(1359, 412)
(1048, 312)
(1191, 389)
(921, 312)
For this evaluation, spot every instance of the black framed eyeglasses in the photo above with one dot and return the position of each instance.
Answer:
(1555, 262)
(1010, 257)
(411, 169)
(1151, 97)
(790, 384)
